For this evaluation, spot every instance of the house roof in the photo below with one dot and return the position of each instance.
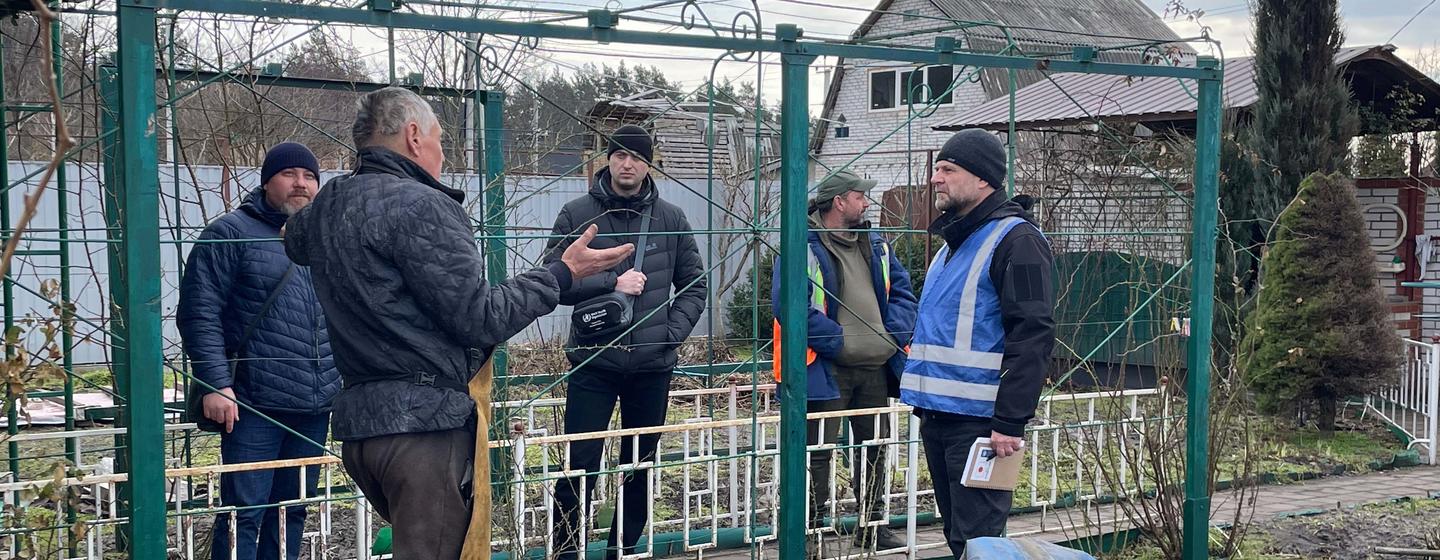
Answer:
(1101, 23)
(680, 129)
(654, 102)
(1032, 24)
(1068, 99)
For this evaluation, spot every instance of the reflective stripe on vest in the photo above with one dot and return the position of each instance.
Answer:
(959, 371)
(885, 265)
(817, 302)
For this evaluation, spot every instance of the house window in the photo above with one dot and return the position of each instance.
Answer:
(882, 90)
(890, 89)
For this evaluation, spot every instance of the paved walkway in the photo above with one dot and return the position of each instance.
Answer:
(1271, 501)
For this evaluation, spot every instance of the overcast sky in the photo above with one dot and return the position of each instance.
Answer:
(1367, 22)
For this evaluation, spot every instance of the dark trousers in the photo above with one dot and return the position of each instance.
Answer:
(421, 484)
(589, 402)
(968, 512)
(257, 530)
(859, 388)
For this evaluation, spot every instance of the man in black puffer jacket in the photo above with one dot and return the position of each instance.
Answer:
(636, 368)
(281, 367)
(414, 319)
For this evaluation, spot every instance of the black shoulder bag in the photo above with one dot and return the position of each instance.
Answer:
(195, 396)
(609, 314)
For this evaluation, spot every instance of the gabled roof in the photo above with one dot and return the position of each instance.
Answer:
(1068, 99)
(680, 130)
(655, 102)
(1102, 23)
(1032, 24)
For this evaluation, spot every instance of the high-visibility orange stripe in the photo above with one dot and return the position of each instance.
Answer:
(775, 365)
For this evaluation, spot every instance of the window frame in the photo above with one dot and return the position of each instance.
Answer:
(898, 94)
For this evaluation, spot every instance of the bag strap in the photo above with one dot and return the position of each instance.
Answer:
(264, 308)
(640, 243)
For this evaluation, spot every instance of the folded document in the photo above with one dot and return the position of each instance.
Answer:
(983, 469)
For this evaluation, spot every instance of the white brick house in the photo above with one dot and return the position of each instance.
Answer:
(866, 108)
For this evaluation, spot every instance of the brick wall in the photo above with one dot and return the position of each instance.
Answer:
(1383, 224)
(1431, 307)
(882, 131)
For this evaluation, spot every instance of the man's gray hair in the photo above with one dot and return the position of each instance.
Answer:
(384, 113)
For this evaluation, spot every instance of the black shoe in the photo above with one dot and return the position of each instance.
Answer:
(882, 538)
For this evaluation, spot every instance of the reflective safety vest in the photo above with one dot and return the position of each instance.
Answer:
(818, 301)
(959, 342)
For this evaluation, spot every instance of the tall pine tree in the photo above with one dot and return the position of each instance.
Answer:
(1321, 331)
(1303, 119)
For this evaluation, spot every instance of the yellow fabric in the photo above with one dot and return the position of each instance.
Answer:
(477, 537)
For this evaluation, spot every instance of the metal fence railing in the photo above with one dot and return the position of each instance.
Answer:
(1413, 404)
(713, 483)
(714, 480)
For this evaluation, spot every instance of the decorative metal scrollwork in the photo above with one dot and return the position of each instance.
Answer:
(491, 67)
(687, 19)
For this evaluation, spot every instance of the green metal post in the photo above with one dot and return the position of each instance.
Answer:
(176, 231)
(1202, 301)
(143, 412)
(113, 160)
(794, 184)
(495, 246)
(1010, 139)
(9, 289)
(493, 175)
(67, 332)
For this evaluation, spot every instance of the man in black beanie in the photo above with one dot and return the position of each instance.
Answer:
(256, 334)
(982, 342)
(635, 368)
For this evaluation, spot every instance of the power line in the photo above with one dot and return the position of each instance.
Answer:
(1409, 21)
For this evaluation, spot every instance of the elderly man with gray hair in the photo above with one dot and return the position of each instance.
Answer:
(412, 319)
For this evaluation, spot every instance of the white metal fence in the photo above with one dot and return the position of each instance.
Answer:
(714, 480)
(713, 483)
(1413, 404)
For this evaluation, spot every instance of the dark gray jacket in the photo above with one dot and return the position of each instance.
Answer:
(411, 316)
(672, 260)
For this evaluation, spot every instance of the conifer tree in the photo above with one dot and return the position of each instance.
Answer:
(1321, 331)
(1303, 118)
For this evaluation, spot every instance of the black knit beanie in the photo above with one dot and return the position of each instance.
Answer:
(634, 139)
(978, 152)
(285, 155)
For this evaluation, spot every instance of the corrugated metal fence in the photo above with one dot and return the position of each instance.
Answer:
(194, 198)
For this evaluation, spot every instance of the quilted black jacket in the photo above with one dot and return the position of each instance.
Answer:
(672, 265)
(286, 364)
(404, 290)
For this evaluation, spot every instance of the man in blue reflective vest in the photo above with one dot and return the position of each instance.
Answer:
(984, 334)
(861, 314)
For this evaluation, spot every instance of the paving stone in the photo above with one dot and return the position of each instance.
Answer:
(1323, 494)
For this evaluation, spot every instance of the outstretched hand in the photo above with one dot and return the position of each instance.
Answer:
(585, 261)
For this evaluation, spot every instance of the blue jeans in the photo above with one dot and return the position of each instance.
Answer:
(257, 439)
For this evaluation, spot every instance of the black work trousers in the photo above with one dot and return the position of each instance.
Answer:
(859, 388)
(967, 512)
(589, 403)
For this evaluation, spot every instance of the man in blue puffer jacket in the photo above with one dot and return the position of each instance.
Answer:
(861, 316)
(282, 369)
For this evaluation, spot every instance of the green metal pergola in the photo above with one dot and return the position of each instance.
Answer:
(133, 203)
